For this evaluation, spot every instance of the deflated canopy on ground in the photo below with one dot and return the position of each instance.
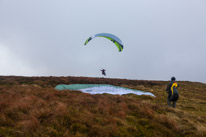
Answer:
(101, 88)
(111, 37)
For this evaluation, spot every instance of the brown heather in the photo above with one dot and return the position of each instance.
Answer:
(31, 107)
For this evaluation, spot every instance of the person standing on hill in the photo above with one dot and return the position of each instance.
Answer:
(173, 94)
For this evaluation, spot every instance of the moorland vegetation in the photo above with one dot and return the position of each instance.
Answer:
(30, 106)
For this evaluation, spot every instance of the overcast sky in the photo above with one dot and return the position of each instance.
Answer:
(162, 38)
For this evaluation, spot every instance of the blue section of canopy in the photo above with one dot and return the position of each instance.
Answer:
(110, 36)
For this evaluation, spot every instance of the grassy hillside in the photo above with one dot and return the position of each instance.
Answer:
(30, 106)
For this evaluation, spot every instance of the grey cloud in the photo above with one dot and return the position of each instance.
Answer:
(161, 38)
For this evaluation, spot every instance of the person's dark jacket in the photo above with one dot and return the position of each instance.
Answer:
(168, 90)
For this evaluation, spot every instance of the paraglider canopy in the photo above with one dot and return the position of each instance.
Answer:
(111, 37)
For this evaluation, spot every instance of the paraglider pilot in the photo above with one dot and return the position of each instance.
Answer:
(103, 72)
(173, 94)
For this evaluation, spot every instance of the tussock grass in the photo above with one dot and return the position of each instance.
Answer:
(30, 106)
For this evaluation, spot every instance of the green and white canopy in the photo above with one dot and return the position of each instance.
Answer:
(101, 88)
(111, 37)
